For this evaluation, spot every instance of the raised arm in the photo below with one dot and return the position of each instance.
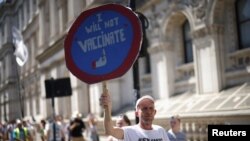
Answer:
(105, 102)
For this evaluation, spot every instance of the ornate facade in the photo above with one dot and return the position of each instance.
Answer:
(197, 63)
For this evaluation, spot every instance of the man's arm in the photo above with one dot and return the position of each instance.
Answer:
(73, 125)
(108, 125)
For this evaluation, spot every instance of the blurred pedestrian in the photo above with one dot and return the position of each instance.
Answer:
(10, 128)
(64, 126)
(4, 131)
(31, 131)
(20, 133)
(122, 120)
(77, 128)
(92, 129)
(55, 131)
(42, 130)
(175, 133)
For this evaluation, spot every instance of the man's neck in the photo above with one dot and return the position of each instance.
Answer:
(176, 130)
(146, 126)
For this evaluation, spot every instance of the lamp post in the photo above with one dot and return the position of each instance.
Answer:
(20, 97)
(136, 78)
(5, 106)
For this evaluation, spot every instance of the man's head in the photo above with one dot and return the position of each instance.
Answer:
(77, 115)
(145, 111)
(19, 123)
(175, 122)
(143, 98)
(122, 120)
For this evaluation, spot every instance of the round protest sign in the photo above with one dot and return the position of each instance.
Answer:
(103, 43)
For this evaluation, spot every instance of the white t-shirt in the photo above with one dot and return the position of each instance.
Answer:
(136, 133)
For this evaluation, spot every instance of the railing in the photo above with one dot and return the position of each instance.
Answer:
(238, 67)
(195, 127)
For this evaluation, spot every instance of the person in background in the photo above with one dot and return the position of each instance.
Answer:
(92, 129)
(42, 130)
(20, 133)
(55, 130)
(144, 130)
(122, 120)
(64, 126)
(77, 128)
(30, 129)
(4, 131)
(175, 133)
(10, 128)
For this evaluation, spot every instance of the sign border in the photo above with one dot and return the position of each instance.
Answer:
(133, 52)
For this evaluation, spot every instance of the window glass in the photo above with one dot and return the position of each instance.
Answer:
(243, 21)
(245, 31)
(188, 50)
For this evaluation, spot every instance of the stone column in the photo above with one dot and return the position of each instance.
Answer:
(41, 26)
(32, 53)
(75, 7)
(1, 36)
(162, 66)
(25, 14)
(61, 16)
(79, 98)
(31, 11)
(209, 67)
(53, 18)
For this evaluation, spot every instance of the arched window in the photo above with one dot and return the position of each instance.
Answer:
(243, 23)
(188, 50)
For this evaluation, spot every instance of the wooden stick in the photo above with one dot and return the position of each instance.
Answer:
(105, 92)
(104, 87)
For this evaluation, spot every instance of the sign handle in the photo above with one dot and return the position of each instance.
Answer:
(104, 87)
(105, 92)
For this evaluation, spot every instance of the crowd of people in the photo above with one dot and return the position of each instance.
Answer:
(57, 129)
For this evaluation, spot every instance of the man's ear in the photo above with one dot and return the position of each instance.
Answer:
(136, 113)
(155, 111)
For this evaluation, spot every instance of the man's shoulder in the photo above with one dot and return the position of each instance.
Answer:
(136, 127)
(131, 128)
(181, 133)
(158, 127)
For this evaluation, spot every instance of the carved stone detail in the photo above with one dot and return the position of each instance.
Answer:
(212, 29)
(160, 47)
(198, 7)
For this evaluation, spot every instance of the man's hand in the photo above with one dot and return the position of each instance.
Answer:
(105, 100)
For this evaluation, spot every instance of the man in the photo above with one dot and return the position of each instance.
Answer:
(76, 128)
(31, 131)
(121, 121)
(20, 133)
(55, 131)
(175, 133)
(144, 130)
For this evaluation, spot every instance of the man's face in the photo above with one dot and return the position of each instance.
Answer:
(174, 123)
(120, 122)
(19, 125)
(146, 111)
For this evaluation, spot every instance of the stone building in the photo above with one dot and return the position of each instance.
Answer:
(197, 63)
